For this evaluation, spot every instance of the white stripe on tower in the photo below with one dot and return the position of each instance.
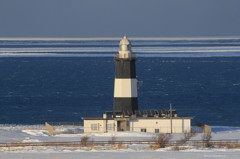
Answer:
(125, 88)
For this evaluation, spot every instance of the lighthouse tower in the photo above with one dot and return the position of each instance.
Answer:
(125, 85)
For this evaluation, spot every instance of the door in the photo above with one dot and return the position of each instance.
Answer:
(122, 125)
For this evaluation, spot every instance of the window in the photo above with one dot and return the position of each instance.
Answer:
(109, 126)
(157, 131)
(94, 126)
(123, 48)
(144, 130)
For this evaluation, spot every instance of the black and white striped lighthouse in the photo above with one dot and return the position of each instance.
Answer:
(125, 85)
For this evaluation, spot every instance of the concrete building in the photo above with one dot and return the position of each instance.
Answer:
(125, 115)
(144, 123)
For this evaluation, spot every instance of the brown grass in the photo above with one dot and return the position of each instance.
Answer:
(120, 145)
(227, 145)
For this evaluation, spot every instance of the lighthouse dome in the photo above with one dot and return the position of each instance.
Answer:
(125, 46)
(125, 41)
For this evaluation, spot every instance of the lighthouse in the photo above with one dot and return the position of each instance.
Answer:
(125, 115)
(125, 84)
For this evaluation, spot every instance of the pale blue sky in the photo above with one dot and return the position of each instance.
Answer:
(112, 18)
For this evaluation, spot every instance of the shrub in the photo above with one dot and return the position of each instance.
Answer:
(161, 140)
(84, 140)
(175, 148)
(187, 137)
(112, 141)
(206, 140)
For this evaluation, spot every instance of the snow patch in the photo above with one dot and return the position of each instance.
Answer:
(27, 140)
(36, 132)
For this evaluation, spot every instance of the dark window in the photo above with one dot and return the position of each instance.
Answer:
(156, 130)
(143, 130)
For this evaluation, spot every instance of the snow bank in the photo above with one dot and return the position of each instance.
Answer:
(68, 154)
(36, 132)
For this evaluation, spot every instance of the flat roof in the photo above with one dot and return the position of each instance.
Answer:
(124, 118)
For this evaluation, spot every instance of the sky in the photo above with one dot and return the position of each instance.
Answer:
(113, 18)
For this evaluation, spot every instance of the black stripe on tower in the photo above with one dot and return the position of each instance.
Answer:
(125, 104)
(125, 68)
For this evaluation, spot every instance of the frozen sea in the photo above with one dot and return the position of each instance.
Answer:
(62, 80)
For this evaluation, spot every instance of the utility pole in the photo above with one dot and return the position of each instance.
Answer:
(171, 117)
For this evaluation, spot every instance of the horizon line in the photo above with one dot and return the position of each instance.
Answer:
(118, 38)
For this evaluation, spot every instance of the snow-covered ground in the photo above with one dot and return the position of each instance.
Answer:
(124, 154)
(24, 134)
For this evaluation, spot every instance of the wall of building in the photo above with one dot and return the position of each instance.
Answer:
(163, 125)
(102, 126)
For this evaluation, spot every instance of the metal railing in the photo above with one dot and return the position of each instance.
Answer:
(79, 143)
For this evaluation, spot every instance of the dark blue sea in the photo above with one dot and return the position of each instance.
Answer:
(65, 80)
